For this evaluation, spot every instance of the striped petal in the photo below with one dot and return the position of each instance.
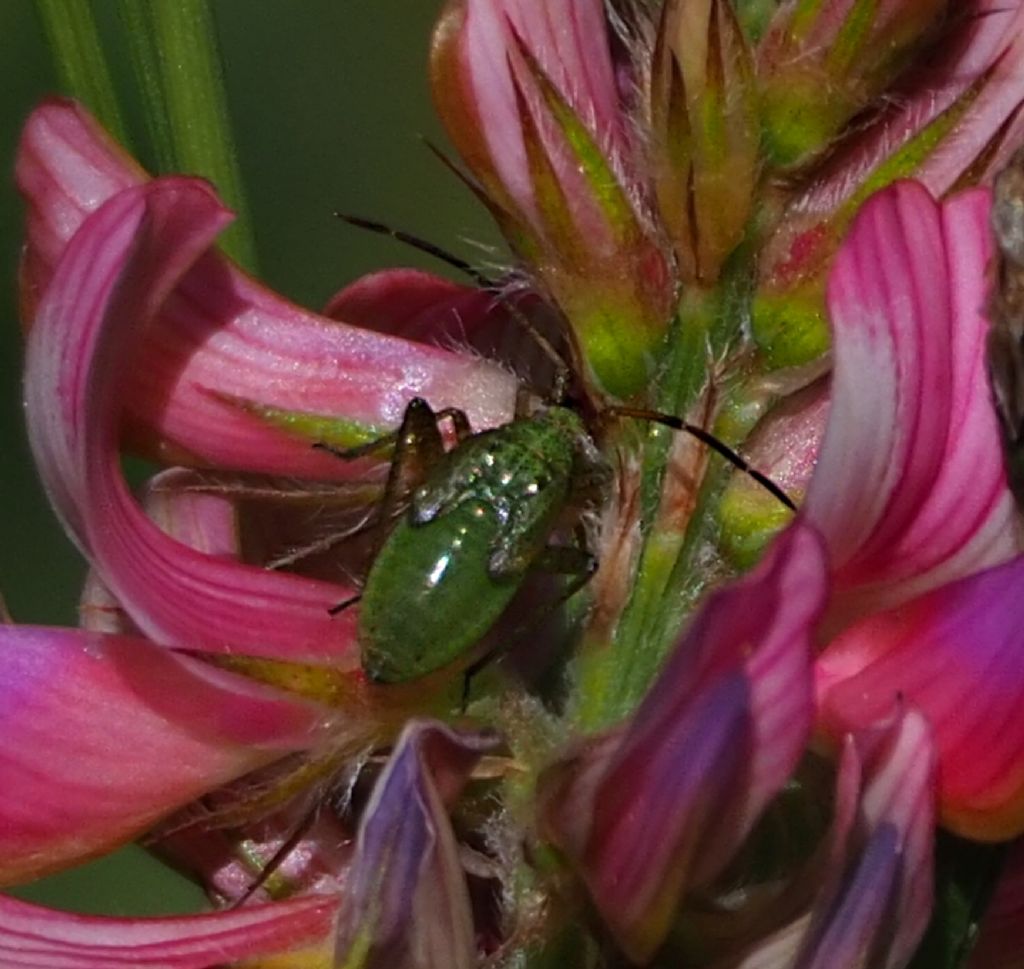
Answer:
(102, 735)
(32, 937)
(663, 802)
(231, 374)
(111, 279)
(909, 490)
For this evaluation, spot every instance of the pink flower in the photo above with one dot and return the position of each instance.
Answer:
(910, 494)
(132, 722)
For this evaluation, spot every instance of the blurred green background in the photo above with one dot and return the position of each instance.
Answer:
(329, 101)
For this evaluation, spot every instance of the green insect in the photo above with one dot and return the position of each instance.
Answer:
(472, 522)
(478, 519)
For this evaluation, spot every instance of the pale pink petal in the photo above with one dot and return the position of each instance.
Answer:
(110, 279)
(663, 802)
(32, 937)
(231, 374)
(957, 655)
(206, 522)
(909, 490)
(102, 735)
(407, 904)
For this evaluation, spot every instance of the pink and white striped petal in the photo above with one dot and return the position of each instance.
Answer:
(661, 803)
(230, 374)
(100, 736)
(976, 78)
(407, 904)
(110, 281)
(909, 490)
(485, 79)
(32, 937)
(957, 655)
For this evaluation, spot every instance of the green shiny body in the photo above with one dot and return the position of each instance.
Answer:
(472, 530)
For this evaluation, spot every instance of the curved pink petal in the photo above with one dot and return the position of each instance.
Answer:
(231, 374)
(957, 655)
(110, 280)
(664, 801)
(102, 735)
(909, 490)
(407, 904)
(413, 304)
(32, 937)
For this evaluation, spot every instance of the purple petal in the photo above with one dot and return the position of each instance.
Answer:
(407, 902)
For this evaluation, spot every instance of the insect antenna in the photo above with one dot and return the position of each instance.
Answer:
(678, 424)
(421, 244)
(562, 369)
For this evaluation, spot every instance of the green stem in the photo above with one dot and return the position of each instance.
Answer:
(611, 678)
(78, 55)
(177, 64)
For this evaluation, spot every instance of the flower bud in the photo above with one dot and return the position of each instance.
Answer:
(535, 112)
(705, 133)
(820, 64)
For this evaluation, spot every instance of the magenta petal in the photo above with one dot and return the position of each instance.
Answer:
(231, 374)
(32, 937)
(663, 802)
(910, 490)
(412, 304)
(407, 905)
(957, 655)
(102, 735)
(110, 280)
